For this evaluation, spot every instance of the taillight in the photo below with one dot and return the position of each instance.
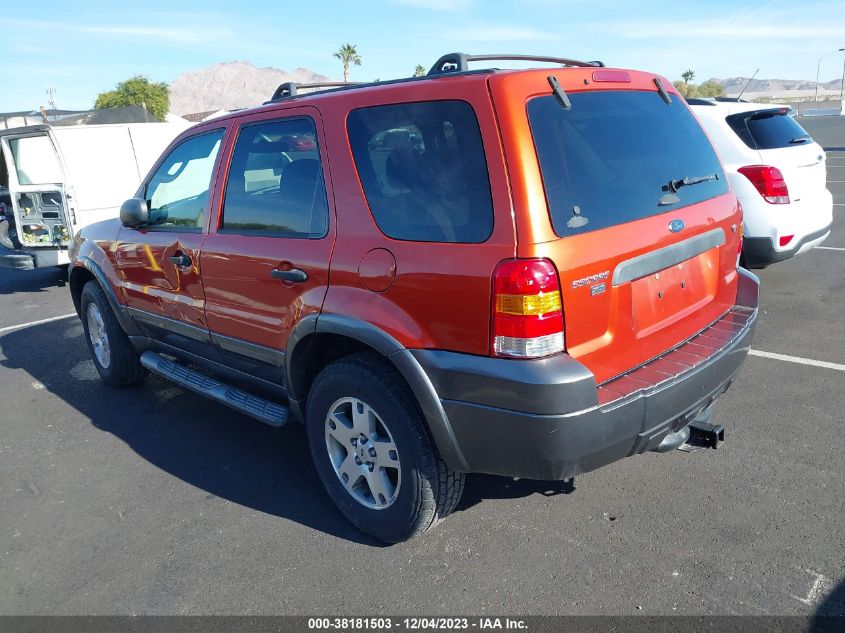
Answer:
(785, 239)
(527, 309)
(768, 181)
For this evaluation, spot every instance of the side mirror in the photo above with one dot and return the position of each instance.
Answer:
(134, 213)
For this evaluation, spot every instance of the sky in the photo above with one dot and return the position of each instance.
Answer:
(82, 48)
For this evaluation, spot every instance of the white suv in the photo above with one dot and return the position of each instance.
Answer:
(777, 172)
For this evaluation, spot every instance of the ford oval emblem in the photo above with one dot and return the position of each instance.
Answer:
(676, 226)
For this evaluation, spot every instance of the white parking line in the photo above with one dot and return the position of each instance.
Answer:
(830, 248)
(817, 591)
(20, 326)
(797, 359)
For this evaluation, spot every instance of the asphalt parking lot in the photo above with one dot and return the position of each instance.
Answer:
(154, 501)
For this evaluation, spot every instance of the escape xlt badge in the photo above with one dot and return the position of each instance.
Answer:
(586, 281)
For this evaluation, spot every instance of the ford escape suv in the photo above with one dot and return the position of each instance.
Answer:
(529, 273)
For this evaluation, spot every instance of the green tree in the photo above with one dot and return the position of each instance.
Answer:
(419, 71)
(140, 91)
(710, 88)
(687, 90)
(688, 76)
(348, 55)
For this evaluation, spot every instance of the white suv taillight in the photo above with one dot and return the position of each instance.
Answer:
(768, 181)
(527, 309)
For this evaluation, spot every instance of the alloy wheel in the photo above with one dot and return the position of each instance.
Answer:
(98, 337)
(363, 453)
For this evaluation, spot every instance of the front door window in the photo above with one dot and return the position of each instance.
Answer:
(177, 194)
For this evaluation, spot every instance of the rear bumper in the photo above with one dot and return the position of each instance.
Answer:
(759, 252)
(547, 419)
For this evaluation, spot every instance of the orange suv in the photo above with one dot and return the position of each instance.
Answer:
(529, 273)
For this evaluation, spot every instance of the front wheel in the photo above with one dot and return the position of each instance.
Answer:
(114, 357)
(373, 452)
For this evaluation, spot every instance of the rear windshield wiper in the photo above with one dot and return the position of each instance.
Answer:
(560, 95)
(800, 139)
(686, 181)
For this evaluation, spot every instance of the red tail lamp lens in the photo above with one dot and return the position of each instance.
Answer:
(768, 181)
(527, 309)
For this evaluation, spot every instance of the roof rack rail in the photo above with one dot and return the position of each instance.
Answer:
(291, 88)
(458, 62)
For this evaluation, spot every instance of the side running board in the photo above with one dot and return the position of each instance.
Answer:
(247, 403)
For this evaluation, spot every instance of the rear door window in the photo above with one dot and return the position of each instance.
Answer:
(36, 161)
(611, 157)
(423, 170)
(275, 184)
(768, 129)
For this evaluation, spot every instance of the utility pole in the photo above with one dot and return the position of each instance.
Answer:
(51, 97)
(842, 83)
(818, 68)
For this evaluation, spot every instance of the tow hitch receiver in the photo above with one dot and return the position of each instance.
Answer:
(702, 434)
(706, 434)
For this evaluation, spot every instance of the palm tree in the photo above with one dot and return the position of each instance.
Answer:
(348, 55)
(419, 71)
(688, 76)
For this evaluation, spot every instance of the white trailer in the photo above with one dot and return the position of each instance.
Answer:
(56, 179)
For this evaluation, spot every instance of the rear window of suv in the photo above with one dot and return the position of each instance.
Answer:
(423, 170)
(768, 129)
(609, 159)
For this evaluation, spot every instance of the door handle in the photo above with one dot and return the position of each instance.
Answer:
(294, 274)
(181, 260)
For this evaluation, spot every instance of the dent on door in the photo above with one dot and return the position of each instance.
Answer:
(160, 274)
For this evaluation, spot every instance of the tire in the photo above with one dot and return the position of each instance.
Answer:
(417, 489)
(114, 357)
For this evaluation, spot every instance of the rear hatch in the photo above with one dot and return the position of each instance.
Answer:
(36, 191)
(625, 194)
(783, 143)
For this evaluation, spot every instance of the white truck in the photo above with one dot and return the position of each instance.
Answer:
(56, 179)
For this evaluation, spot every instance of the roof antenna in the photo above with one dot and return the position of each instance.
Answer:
(746, 85)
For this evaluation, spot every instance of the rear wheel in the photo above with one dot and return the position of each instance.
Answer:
(113, 355)
(373, 452)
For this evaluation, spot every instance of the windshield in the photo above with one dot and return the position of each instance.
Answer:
(612, 157)
(36, 162)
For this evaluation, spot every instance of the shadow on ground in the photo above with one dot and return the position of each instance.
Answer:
(481, 487)
(830, 614)
(37, 280)
(205, 444)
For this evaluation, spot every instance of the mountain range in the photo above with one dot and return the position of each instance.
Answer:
(733, 85)
(231, 85)
(239, 84)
